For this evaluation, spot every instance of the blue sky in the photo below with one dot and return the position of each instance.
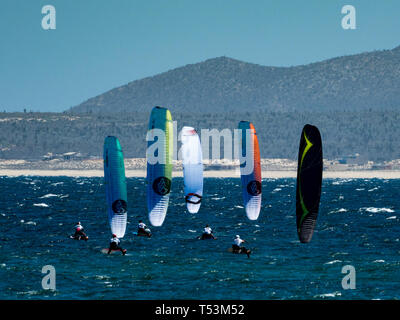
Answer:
(101, 44)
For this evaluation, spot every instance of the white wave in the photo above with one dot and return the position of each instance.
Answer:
(379, 261)
(376, 210)
(192, 230)
(360, 189)
(339, 253)
(49, 196)
(330, 295)
(391, 218)
(31, 292)
(276, 190)
(43, 205)
(341, 181)
(332, 262)
(339, 210)
(373, 189)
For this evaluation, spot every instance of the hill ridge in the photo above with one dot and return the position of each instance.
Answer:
(369, 80)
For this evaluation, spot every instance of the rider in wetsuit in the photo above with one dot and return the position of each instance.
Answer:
(114, 245)
(207, 233)
(237, 246)
(143, 230)
(79, 233)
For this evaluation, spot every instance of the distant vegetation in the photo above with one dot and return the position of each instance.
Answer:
(372, 134)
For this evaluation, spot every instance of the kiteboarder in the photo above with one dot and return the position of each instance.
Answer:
(143, 229)
(114, 245)
(79, 233)
(237, 246)
(207, 233)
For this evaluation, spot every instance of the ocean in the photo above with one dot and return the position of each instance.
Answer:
(358, 225)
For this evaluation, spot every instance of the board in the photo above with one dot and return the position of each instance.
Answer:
(105, 250)
(231, 251)
(141, 235)
(72, 237)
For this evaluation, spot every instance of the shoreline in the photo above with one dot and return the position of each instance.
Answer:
(271, 174)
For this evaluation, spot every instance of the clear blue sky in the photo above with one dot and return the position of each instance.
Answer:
(102, 44)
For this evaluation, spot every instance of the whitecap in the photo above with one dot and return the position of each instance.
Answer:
(226, 279)
(332, 262)
(379, 261)
(338, 182)
(49, 196)
(376, 210)
(339, 253)
(192, 230)
(391, 218)
(43, 205)
(339, 210)
(276, 190)
(31, 292)
(330, 295)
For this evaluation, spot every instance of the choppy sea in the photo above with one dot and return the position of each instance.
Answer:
(358, 225)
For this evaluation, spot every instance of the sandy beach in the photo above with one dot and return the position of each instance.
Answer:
(277, 174)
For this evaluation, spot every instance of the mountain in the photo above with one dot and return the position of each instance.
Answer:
(366, 81)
